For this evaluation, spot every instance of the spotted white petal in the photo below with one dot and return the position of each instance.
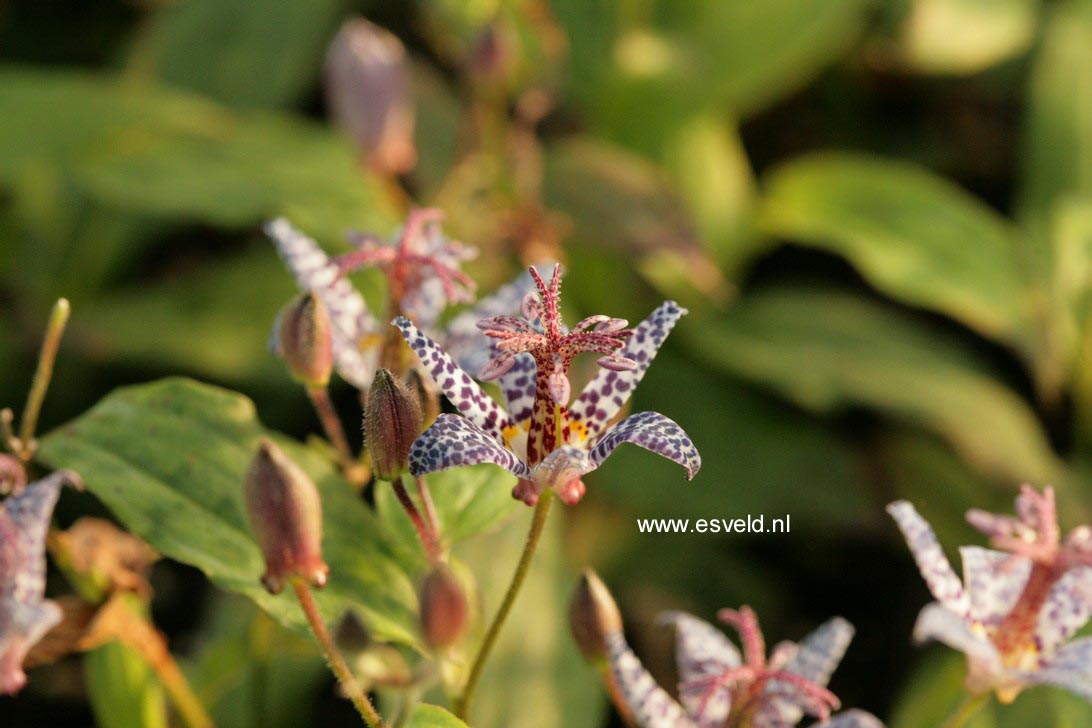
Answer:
(1066, 610)
(851, 719)
(461, 337)
(518, 387)
(351, 322)
(702, 653)
(937, 622)
(650, 704)
(816, 658)
(994, 581)
(932, 563)
(605, 395)
(463, 392)
(1069, 668)
(655, 433)
(453, 441)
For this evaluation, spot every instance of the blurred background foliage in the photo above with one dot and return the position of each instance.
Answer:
(878, 211)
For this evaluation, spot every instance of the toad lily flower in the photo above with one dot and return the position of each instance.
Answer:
(1014, 613)
(539, 439)
(25, 614)
(720, 687)
(423, 275)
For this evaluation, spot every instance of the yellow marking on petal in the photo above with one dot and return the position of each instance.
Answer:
(511, 432)
(369, 341)
(577, 429)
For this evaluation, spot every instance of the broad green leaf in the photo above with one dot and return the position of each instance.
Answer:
(241, 53)
(616, 200)
(639, 69)
(964, 36)
(168, 459)
(535, 675)
(468, 501)
(1057, 153)
(432, 716)
(913, 235)
(123, 690)
(171, 154)
(828, 350)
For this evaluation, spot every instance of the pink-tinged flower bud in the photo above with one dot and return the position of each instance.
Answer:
(444, 608)
(285, 514)
(368, 92)
(392, 421)
(592, 616)
(306, 339)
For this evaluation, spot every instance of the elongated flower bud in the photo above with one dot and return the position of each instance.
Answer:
(443, 608)
(592, 616)
(307, 340)
(368, 91)
(285, 514)
(392, 421)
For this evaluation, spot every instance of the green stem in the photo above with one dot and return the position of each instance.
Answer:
(966, 710)
(333, 657)
(542, 510)
(46, 357)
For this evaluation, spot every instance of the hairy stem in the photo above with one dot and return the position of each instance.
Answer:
(542, 510)
(424, 533)
(430, 507)
(42, 375)
(333, 657)
(966, 710)
(320, 397)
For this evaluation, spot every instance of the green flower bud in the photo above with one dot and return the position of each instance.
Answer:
(444, 608)
(285, 514)
(392, 421)
(306, 341)
(593, 615)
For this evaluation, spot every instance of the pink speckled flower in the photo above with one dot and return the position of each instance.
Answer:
(25, 614)
(1015, 610)
(541, 439)
(721, 688)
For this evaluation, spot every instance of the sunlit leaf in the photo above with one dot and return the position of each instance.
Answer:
(168, 459)
(828, 350)
(914, 236)
(432, 716)
(123, 689)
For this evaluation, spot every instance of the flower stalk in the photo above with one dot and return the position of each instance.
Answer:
(333, 656)
(966, 710)
(538, 523)
(425, 532)
(24, 445)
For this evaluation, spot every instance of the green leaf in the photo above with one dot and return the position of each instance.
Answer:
(964, 36)
(168, 459)
(171, 154)
(242, 53)
(468, 501)
(913, 235)
(639, 69)
(123, 690)
(432, 716)
(827, 350)
(1057, 156)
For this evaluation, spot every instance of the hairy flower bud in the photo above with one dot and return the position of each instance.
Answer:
(443, 608)
(285, 514)
(306, 340)
(392, 421)
(368, 92)
(593, 615)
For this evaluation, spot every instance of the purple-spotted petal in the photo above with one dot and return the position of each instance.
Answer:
(653, 432)
(932, 563)
(1069, 668)
(462, 338)
(851, 719)
(650, 704)
(453, 441)
(22, 625)
(1066, 610)
(815, 659)
(994, 581)
(605, 395)
(352, 323)
(937, 622)
(467, 396)
(702, 653)
(518, 387)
